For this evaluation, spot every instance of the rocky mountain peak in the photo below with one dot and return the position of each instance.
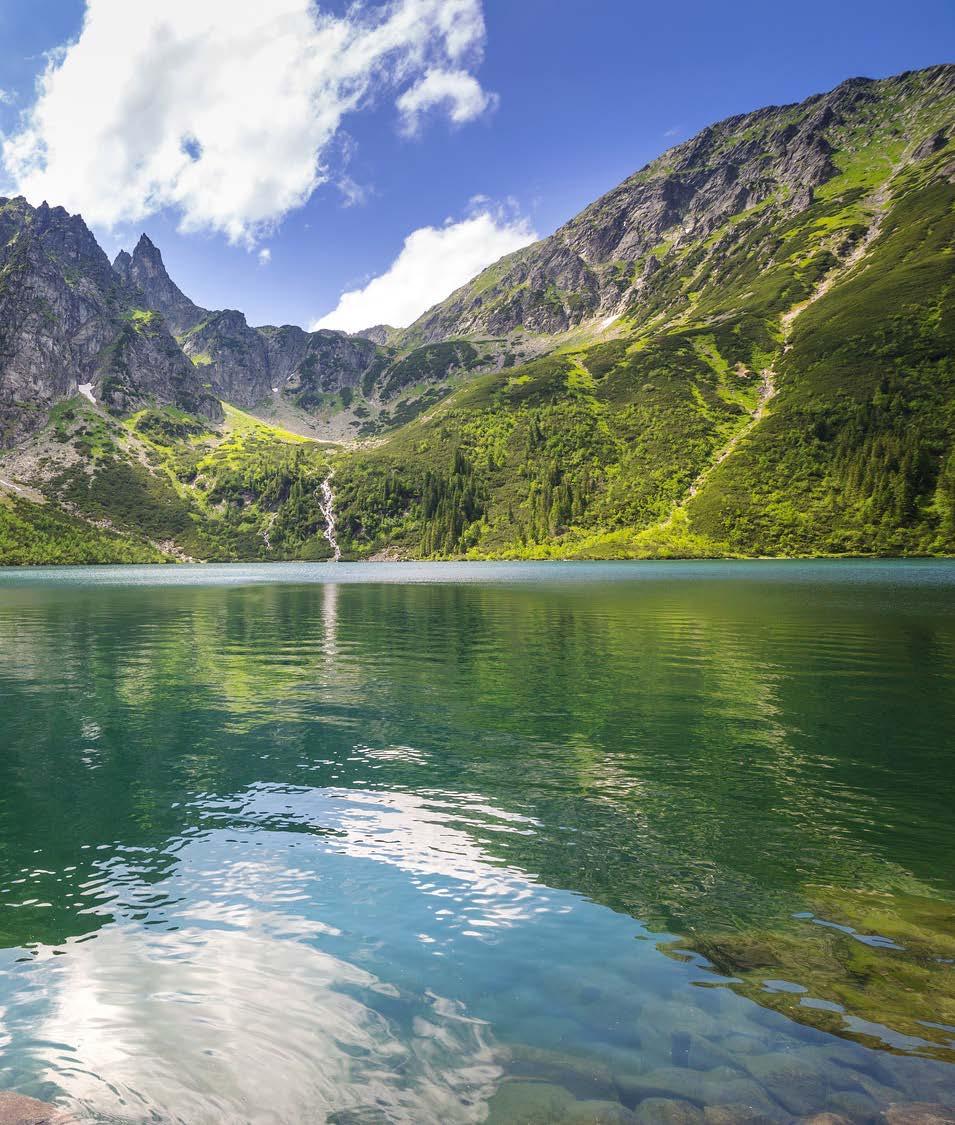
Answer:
(67, 319)
(381, 334)
(597, 264)
(145, 271)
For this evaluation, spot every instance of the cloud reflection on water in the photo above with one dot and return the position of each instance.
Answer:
(228, 1002)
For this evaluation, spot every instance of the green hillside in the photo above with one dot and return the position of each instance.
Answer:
(748, 348)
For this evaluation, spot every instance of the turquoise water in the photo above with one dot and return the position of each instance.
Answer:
(534, 842)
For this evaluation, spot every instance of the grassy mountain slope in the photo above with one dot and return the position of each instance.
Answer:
(782, 386)
(163, 485)
(745, 349)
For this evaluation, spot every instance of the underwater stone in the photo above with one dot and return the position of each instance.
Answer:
(742, 1044)
(726, 1087)
(736, 1115)
(664, 1082)
(856, 1106)
(920, 1113)
(680, 1048)
(528, 1103)
(667, 1111)
(704, 1055)
(584, 1078)
(16, 1109)
(675, 1017)
(598, 1113)
(793, 1082)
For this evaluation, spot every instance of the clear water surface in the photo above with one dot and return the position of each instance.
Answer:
(454, 843)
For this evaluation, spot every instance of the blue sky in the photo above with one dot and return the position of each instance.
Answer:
(484, 120)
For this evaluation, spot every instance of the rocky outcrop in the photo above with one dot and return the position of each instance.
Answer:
(144, 270)
(18, 1109)
(382, 334)
(304, 364)
(598, 264)
(237, 362)
(67, 321)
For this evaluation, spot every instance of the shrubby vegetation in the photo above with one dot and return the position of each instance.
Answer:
(40, 535)
(652, 444)
(592, 453)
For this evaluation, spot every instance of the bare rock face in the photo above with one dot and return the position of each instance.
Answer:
(230, 357)
(144, 270)
(67, 320)
(597, 264)
(237, 362)
(382, 334)
(308, 364)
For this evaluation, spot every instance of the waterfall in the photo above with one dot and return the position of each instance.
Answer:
(327, 504)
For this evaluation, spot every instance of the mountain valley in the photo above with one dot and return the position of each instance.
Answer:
(745, 349)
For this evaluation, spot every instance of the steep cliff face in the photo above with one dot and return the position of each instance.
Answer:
(144, 270)
(305, 365)
(599, 263)
(237, 362)
(68, 321)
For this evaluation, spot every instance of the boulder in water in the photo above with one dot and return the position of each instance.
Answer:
(920, 1113)
(17, 1109)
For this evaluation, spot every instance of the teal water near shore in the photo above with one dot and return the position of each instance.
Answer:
(465, 842)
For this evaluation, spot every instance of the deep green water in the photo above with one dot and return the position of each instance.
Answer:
(421, 843)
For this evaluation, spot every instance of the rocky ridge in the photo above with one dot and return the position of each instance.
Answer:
(68, 321)
(240, 363)
(601, 262)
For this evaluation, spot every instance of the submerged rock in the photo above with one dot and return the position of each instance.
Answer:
(667, 1111)
(586, 1079)
(598, 1113)
(680, 1048)
(793, 1082)
(523, 1101)
(717, 1087)
(528, 1103)
(17, 1109)
(856, 1106)
(920, 1113)
(736, 1115)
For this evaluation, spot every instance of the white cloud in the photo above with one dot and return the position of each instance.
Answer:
(265, 256)
(459, 91)
(7, 97)
(225, 109)
(433, 262)
(674, 132)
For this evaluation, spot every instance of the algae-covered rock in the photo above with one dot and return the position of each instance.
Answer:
(672, 1082)
(667, 1017)
(584, 1078)
(667, 1111)
(722, 1087)
(737, 1114)
(598, 1113)
(856, 1106)
(519, 1102)
(700, 1054)
(796, 1084)
(528, 1103)
(885, 958)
